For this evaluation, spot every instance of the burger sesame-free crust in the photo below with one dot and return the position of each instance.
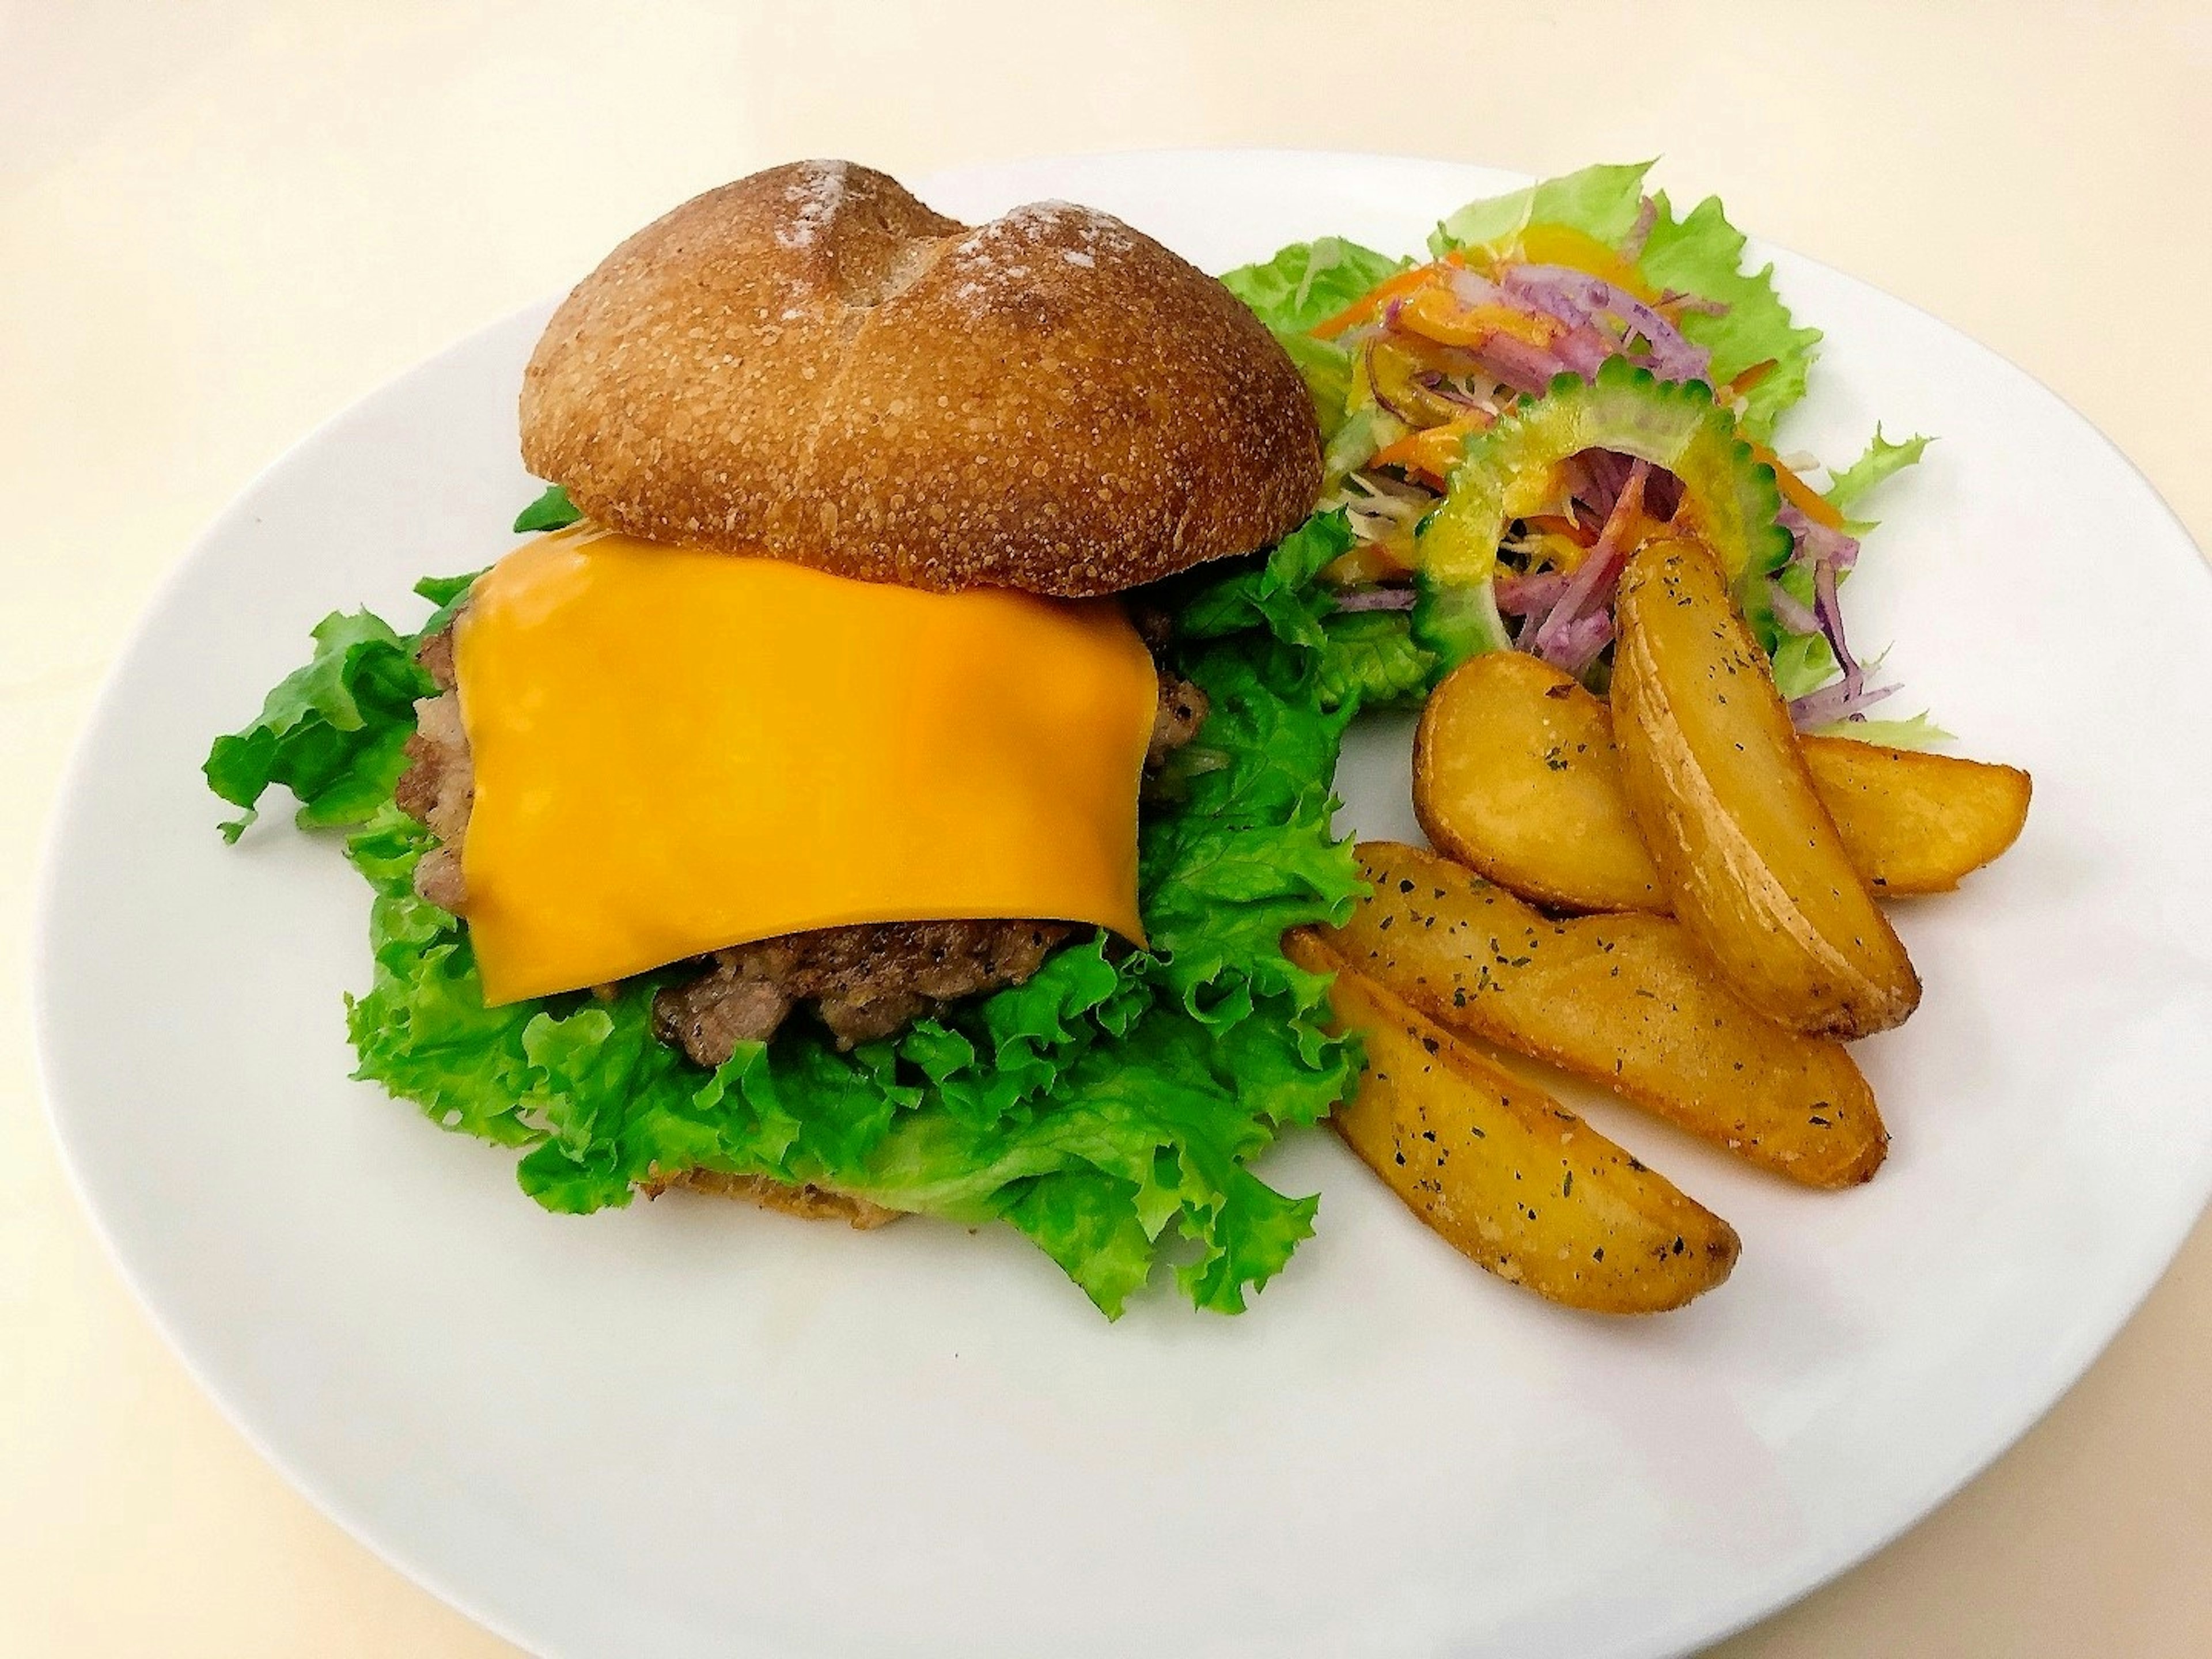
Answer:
(805, 1200)
(811, 364)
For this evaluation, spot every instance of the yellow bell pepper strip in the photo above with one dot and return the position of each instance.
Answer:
(1435, 313)
(1391, 374)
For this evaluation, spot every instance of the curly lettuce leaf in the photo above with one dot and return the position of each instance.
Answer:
(1881, 461)
(332, 732)
(1088, 1222)
(551, 511)
(1282, 594)
(1702, 254)
(1602, 202)
(1030, 1106)
(1370, 660)
(1305, 285)
(1326, 368)
(1108, 1109)
(1803, 663)
(1309, 283)
(1920, 732)
(449, 593)
(1361, 659)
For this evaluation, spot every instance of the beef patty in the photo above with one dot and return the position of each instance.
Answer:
(866, 982)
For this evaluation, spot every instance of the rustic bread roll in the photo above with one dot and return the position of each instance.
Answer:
(811, 364)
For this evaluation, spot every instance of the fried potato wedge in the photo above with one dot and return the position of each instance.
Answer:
(1756, 866)
(1515, 775)
(1628, 1002)
(1913, 822)
(1507, 1175)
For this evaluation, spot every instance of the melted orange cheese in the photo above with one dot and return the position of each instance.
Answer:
(678, 751)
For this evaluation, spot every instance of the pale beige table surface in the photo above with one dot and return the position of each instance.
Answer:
(221, 221)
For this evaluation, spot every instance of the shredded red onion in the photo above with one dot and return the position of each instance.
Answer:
(1573, 297)
(1817, 543)
(1472, 288)
(1599, 321)
(1583, 301)
(1597, 476)
(1608, 473)
(1565, 638)
(1831, 616)
(1827, 553)
(1836, 701)
(1528, 369)
(1584, 350)
(1683, 303)
(1796, 618)
(1576, 646)
(1376, 598)
(1531, 596)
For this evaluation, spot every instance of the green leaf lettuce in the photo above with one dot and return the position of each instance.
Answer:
(1702, 254)
(1309, 283)
(1602, 202)
(1109, 1108)
(332, 732)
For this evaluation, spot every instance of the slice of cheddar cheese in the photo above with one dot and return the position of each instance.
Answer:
(678, 751)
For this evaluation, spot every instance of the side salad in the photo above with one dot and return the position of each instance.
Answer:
(1569, 359)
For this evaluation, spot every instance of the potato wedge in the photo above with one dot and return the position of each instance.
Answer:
(1914, 823)
(1507, 1175)
(1754, 864)
(1628, 1002)
(1515, 775)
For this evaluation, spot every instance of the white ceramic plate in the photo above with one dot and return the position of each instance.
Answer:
(693, 1428)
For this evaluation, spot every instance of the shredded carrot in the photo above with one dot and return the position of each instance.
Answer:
(1750, 378)
(1801, 495)
(1366, 307)
(1434, 451)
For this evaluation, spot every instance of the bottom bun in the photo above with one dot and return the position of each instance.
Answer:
(815, 1203)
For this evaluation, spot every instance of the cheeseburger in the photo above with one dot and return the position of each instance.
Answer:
(830, 714)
